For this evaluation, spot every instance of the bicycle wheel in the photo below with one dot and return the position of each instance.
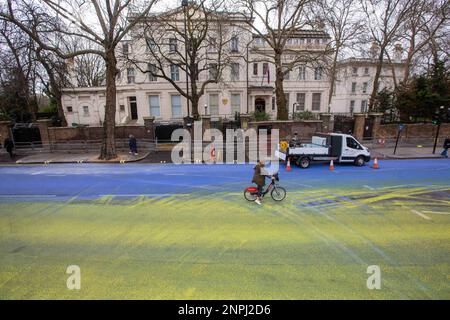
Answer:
(249, 196)
(278, 193)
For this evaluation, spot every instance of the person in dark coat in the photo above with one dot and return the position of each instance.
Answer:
(133, 145)
(9, 146)
(446, 147)
(259, 179)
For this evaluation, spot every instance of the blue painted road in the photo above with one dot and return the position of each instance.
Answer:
(63, 181)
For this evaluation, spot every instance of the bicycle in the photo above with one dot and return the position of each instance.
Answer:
(276, 192)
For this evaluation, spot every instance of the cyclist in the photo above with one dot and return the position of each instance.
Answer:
(259, 179)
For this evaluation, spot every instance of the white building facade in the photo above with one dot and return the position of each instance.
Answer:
(247, 84)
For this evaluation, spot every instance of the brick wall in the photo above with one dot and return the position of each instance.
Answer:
(416, 130)
(305, 129)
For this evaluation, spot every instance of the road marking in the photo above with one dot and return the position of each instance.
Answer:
(437, 212)
(420, 214)
(26, 195)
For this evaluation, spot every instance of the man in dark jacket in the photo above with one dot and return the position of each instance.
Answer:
(133, 144)
(259, 179)
(9, 146)
(446, 147)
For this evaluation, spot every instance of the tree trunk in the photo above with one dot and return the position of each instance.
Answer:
(282, 110)
(373, 95)
(194, 104)
(332, 77)
(108, 150)
(59, 108)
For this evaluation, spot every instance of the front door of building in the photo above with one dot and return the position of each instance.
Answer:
(260, 105)
(133, 108)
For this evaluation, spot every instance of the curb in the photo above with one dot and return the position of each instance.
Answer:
(83, 161)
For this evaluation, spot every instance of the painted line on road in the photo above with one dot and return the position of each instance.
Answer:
(420, 214)
(144, 194)
(27, 195)
(437, 212)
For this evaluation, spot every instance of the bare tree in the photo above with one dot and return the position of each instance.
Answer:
(21, 65)
(343, 21)
(281, 20)
(384, 20)
(427, 18)
(75, 18)
(194, 39)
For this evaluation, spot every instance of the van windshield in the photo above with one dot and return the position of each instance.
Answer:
(351, 143)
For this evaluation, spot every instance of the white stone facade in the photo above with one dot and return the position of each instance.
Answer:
(250, 87)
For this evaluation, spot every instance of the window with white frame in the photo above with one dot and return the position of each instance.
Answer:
(366, 71)
(131, 75)
(174, 72)
(255, 69)
(235, 103)
(214, 104)
(316, 99)
(302, 73)
(155, 110)
(355, 71)
(363, 105)
(318, 73)
(301, 99)
(151, 44)
(234, 43)
(235, 72)
(152, 71)
(125, 48)
(176, 106)
(173, 46)
(352, 106)
(86, 110)
(212, 44)
(353, 87)
(213, 71)
(364, 87)
(69, 109)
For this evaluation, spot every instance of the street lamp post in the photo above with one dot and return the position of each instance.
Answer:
(184, 4)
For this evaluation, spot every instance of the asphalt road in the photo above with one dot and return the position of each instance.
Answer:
(94, 180)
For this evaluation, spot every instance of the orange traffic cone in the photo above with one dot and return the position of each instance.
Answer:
(331, 165)
(375, 164)
(288, 166)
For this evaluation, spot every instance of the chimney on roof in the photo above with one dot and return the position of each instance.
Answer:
(398, 51)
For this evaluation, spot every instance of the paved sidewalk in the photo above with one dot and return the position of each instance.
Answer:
(406, 153)
(89, 157)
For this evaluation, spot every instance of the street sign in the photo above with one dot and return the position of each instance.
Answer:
(401, 127)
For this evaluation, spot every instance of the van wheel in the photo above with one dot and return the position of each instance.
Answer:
(359, 161)
(303, 162)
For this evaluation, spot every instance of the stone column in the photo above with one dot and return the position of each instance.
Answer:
(44, 124)
(358, 129)
(5, 130)
(149, 124)
(327, 123)
(376, 121)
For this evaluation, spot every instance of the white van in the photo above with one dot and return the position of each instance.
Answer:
(342, 148)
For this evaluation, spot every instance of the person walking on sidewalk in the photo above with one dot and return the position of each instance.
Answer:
(132, 144)
(9, 146)
(446, 147)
